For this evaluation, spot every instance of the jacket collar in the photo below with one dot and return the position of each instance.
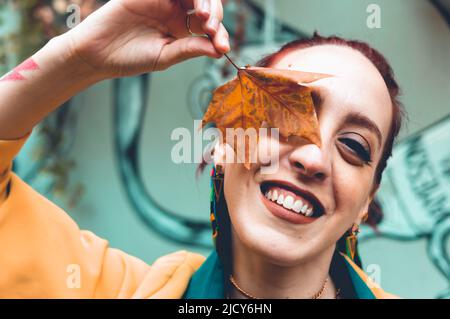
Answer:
(207, 282)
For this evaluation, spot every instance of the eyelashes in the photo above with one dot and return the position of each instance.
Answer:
(354, 146)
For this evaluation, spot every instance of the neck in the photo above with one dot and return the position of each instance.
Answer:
(263, 279)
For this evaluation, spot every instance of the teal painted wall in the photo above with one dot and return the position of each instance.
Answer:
(413, 37)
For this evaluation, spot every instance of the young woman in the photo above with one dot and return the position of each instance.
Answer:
(281, 235)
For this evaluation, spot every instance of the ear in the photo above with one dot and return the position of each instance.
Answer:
(219, 154)
(222, 154)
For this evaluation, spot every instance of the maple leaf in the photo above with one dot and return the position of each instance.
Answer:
(266, 95)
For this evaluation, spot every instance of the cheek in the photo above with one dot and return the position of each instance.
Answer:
(268, 151)
(238, 195)
(237, 183)
(352, 187)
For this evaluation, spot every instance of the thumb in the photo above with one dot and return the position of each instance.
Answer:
(186, 48)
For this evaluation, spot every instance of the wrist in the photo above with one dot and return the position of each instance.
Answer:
(63, 53)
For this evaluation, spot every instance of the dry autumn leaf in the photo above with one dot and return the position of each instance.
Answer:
(266, 95)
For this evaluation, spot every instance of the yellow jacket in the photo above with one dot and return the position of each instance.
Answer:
(41, 248)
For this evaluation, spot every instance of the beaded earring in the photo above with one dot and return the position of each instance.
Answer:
(216, 189)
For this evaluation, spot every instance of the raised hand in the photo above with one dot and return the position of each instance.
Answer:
(128, 37)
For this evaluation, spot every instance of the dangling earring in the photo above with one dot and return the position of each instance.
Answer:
(216, 189)
(351, 240)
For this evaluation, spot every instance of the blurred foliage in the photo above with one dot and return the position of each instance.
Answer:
(37, 22)
(42, 20)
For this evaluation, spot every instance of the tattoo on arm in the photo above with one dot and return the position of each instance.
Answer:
(16, 73)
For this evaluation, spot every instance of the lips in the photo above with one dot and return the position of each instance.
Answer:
(291, 203)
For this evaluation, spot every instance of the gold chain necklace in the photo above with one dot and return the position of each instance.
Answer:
(248, 295)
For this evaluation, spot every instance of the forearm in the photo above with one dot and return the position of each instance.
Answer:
(47, 79)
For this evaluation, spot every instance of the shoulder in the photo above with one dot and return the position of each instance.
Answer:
(180, 258)
(169, 275)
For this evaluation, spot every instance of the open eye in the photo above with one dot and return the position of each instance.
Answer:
(354, 146)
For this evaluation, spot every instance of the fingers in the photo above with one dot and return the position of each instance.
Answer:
(212, 24)
(207, 19)
(186, 48)
(201, 13)
(214, 27)
(202, 9)
(221, 40)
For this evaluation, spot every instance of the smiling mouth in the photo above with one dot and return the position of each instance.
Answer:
(291, 203)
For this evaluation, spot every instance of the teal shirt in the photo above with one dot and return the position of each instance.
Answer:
(207, 282)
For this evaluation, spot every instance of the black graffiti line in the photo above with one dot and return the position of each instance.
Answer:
(419, 164)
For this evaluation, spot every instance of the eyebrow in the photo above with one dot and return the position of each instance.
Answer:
(353, 118)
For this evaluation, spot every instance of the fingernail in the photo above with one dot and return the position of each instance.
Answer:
(205, 6)
(213, 24)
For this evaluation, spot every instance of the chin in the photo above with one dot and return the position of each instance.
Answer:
(277, 248)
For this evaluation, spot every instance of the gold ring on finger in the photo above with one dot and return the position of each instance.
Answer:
(188, 21)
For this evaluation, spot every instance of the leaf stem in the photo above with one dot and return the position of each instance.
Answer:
(231, 61)
(228, 58)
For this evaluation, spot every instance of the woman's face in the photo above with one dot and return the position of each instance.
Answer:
(335, 181)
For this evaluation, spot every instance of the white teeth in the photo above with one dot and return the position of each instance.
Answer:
(297, 206)
(280, 199)
(288, 202)
(304, 208)
(274, 196)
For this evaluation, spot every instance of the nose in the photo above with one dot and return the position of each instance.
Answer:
(310, 161)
